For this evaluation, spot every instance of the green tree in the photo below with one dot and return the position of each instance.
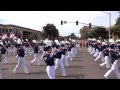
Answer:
(31, 37)
(72, 36)
(50, 31)
(118, 21)
(84, 32)
(97, 32)
(116, 30)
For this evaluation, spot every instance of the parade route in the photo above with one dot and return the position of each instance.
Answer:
(83, 66)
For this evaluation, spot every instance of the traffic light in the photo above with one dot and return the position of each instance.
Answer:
(90, 25)
(61, 22)
(76, 22)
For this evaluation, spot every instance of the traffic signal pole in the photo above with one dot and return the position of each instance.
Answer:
(65, 22)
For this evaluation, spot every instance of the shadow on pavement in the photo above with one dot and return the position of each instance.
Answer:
(75, 67)
(38, 73)
(4, 69)
(72, 76)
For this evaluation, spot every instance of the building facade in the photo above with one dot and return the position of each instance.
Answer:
(25, 33)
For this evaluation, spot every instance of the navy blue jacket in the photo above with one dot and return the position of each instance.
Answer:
(3, 50)
(49, 60)
(63, 51)
(35, 49)
(58, 55)
(20, 52)
(114, 56)
(106, 52)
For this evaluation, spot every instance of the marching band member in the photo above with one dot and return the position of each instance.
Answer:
(9, 49)
(27, 48)
(107, 62)
(75, 46)
(72, 50)
(114, 68)
(36, 54)
(0, 63)
(64, 50)
(15, 47)
(93, 46)
(101, 48)
(49, 60)
(4, 53)
(21, 59)
(69, 52)
(97, 50)
(58, 61)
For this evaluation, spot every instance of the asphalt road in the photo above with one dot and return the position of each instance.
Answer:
(83, 66)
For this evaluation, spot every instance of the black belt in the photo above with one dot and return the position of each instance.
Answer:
(50, 65)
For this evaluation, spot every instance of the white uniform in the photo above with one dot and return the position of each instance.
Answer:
(64, 59)
(9, 50)
(73, 52)
(36, 59)
(50, 66)
(96, 53)
(114, 68)
(69, 56)
(107, 63)
(14, 50)
(21, 62)
(50, 72)
(99, 56)
(36, 55)
(4, 57)
(0, 71)
(59, 63)
(93, 50)
(27, 51)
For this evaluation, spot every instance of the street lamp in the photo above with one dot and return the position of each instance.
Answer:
(109, 22)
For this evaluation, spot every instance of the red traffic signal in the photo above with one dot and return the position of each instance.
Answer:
(76, 22)
(90, 25)
(61, 22)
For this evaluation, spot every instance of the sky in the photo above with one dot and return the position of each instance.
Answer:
(37, 19)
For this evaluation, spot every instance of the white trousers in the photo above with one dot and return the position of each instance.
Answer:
(27, 51)
(65, 60)
(99, 56)
(107, 63)
(59, 63)
(96, 53)
(36, 59)
(93, 50)
(4, 57)
(73, 52)
(9, 50)
(15, 50)
(50, 72)
(114, 69)
(89, 48)
(69, 56)
(0, 72)
(21, 62)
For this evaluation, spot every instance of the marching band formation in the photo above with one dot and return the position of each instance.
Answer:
(58, 54)
(54, 53)
(109, 54)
